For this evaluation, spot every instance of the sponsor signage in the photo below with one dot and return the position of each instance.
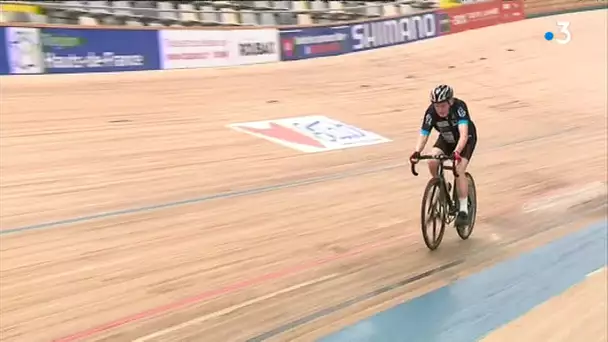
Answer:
(512, 10)
(314, 42)
(184, 49)
(389, 32)
(468, 17)
(181, 49)
(23, 50)
(310, 134)
(255, 46)
(480, 14)
(92, 50)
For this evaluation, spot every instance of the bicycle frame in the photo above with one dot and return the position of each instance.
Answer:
(448, 205)
(449, 200)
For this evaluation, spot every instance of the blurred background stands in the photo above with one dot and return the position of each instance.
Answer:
(205, 13)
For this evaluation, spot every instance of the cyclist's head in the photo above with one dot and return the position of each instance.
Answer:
(442, 98)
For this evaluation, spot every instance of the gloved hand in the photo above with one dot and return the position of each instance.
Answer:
(457, 157)
(415, 157)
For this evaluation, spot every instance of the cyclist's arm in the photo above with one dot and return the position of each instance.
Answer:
(422, 139)
(463, 128)
(425, 131)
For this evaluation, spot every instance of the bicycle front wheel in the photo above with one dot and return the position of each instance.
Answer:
(432, 214)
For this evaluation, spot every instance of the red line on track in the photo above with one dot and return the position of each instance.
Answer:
(219, 292)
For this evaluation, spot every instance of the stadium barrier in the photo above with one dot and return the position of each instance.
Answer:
(541, 8)
(52, 49)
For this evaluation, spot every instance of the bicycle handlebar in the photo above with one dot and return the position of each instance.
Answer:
(441, 159)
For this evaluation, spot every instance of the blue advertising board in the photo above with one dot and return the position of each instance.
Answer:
(388, 32)
(3, 53)
(88, 50)
(314, 42)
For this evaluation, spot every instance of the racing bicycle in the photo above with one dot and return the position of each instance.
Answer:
(440, 208)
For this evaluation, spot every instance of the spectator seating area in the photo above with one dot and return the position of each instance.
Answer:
(205, 13)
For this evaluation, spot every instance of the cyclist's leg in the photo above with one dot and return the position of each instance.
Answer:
(461, 168)
(439, 148)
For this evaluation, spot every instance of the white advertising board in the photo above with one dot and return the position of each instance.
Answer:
(185, 49)
(181, 49)
(24, 50)
(310, 134)
(255, 46)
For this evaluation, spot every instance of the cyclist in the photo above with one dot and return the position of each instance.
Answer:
(457, 137)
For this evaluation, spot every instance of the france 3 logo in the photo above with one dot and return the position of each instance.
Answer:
(564, 29)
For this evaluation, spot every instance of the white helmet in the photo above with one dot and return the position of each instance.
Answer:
(441, 93)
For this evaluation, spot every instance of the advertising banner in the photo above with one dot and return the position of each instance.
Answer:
(88, 50)
(186, 49)
(388, 32)
(512, 10)
(309, 134)
(254, 46)
(23, 50)
(3, 56)
(481, 14)
(471, 16)
(314, 42)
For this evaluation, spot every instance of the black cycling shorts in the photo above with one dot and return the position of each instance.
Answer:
(447, 148)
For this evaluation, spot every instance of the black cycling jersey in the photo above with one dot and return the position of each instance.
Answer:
(448, 126)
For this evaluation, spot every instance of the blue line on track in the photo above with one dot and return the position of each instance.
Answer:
(221, 195)
(471, 308)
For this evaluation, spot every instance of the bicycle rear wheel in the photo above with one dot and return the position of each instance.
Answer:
(432, 214)
(465, 232)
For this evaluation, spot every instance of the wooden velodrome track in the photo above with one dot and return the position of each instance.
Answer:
(228, 268)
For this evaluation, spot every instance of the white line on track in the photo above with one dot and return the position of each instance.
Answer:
(231, 309)
(599, 270)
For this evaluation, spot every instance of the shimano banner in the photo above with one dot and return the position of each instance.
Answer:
(314, 42)
(388, 32)
(88, 50)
